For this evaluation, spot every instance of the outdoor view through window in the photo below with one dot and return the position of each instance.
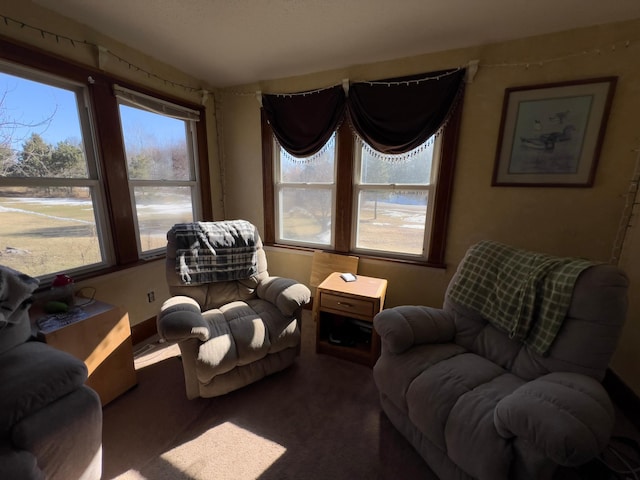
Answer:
(306, 192)
(48, 182)
(392, 199)
(392, 212)
(52, 206)
(161, 173)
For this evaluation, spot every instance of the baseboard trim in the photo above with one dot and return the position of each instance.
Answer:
(143, 330)
(623, 397)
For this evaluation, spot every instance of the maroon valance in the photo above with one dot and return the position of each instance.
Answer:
(393, 116)
(304, 122)
(397, 115)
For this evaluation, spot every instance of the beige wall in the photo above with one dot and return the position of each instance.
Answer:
(564, 221)
(577, 222)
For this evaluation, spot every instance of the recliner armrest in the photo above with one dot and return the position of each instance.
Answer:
(181, 318)
(285, 293)
(402, 327)
(569, 417)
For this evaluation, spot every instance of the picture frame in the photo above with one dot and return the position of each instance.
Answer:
(551, 135)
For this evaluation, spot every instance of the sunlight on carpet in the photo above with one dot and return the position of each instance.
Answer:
(236, 451)
(132, 475)
(223, 452)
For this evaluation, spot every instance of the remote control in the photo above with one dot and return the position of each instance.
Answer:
(348, 277)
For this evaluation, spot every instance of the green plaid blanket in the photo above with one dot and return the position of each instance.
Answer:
(525, 294)
(215, 251)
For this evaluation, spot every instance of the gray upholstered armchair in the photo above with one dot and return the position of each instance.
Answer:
(503, 382)
(233, 322)
(50, 422)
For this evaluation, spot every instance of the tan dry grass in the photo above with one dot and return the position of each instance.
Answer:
(390, 227)
(47, 242)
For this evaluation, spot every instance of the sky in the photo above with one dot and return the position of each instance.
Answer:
(52, 113)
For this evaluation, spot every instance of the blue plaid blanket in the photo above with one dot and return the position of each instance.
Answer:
(215, 251)
(525, 294)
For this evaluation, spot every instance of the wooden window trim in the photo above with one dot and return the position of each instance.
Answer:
(344, 192)
(109, 144)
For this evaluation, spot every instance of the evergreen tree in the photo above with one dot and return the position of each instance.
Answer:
(35, 158)
(67, 160)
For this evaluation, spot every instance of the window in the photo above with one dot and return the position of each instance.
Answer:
(160, 166)
(305, 197)
(51, 201)
(92, 174)
(392, 193)
(392, 204)
(393, 159)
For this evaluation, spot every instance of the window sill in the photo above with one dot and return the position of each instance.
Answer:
(381, 258)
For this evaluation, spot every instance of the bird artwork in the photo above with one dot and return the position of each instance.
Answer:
(546, 140)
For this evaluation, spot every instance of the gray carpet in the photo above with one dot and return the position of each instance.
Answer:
(319, 419)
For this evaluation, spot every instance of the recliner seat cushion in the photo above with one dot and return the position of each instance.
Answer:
(242, 333)
(395, 373)
(451, 402)
(440, 386)
(283, 331)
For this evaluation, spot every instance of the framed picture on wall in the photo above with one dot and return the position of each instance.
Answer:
(551, 135)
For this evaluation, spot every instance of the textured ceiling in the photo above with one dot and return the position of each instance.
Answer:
(234, 42)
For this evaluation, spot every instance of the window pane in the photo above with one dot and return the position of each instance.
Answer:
(316, 169)
(158, 209)
(40, 133)
(409, 168)
(46, 230)
(392, 221)
(305, 215)
(156, 145)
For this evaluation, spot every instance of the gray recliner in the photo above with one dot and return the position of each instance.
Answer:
(489, 398)
(233, 322)
(50, 422)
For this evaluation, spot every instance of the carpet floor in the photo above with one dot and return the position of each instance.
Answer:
(319, 419)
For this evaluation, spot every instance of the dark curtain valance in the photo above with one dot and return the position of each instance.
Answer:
(303, 123)
(397, 115)
(393, 116)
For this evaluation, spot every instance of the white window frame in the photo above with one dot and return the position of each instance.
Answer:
(429, 188)
(151, 104)
(279, 186)
(93, 182)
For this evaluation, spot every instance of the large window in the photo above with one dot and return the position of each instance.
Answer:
(159, 138)
(90, 177)
(305, 197)
(51, 200)
(393, 204)
(381, 185)
(391, 207)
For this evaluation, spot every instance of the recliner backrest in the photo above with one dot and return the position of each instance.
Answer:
(214, 294)
(584, 344)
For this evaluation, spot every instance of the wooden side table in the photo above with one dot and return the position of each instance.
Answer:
(344, 313)
(98, 334)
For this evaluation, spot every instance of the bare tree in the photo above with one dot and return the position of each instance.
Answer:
(9, 136)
